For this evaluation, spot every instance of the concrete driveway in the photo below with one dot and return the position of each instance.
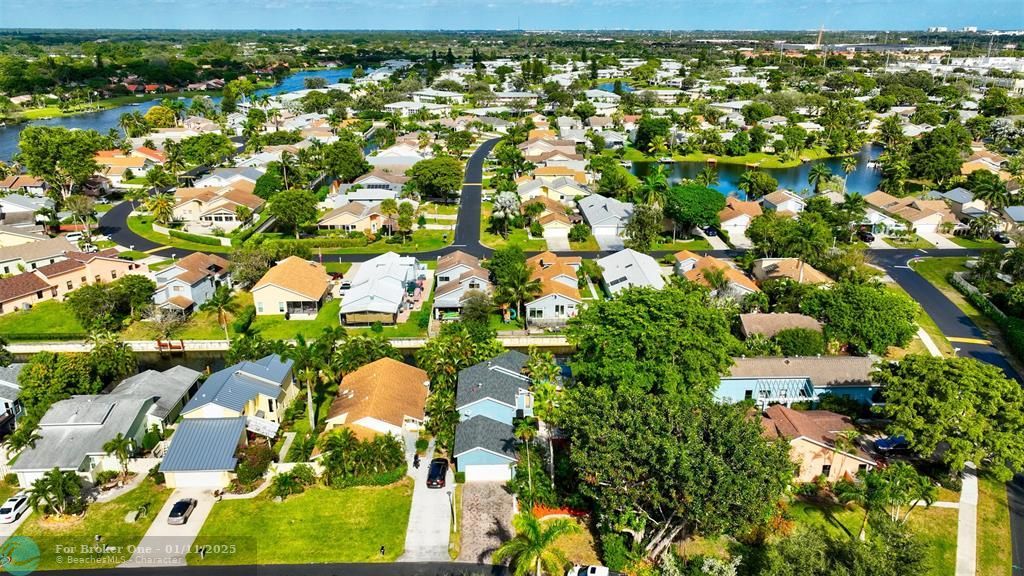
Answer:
(939, 241)
(558, 241)
(426, 537)
(8, 530)
(166, 545)
(609, 242)
(486, 520)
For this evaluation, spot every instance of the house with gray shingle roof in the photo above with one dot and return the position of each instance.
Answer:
(784, 380)
(488, 397)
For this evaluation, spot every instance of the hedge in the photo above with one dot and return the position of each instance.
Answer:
(382, 479)
(327, 242)
(45, 336)
(1013, 328)
(194, 238)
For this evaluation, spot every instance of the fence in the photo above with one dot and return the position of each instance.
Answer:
(1012, 328)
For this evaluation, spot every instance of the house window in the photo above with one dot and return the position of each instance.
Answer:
(560, 309)
(177, 288)
(113, 274)
(84, 280)
(7, 269)
(826, 470)
(70, 285)
(270, 405)
(259, 307)
(474, 285)
(748, 394)
(862, 467)
(33, 265)
(39, 295)
(280, 307)
(536, 313)
(98, 279)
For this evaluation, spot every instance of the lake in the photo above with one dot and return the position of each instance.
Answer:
(104, 120)
(863, 180)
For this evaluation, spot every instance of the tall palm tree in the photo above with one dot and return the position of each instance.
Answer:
(849, 165)
(657, 146)
(288, 167)
(121, 447)
(161, 207)
(338, 447)
(993, 193)
(533, 547)
(525, 431)
(222, 303)
(819, 174)
(307, 357)
(504, 209)
(57, 492)
(890, 132)
(389, 207)
(159, 178)
(655, 187)
(175, 159)
(707, 177)
(868, 491)
(518, 287)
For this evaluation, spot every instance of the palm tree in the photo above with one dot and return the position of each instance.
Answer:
(849, 165)
(518, 287)
(868, 491)
(121, 447)
(716, 280)
(657, 146)
(389, 207)
(526, 432)
(533, 547)
(707, 177)
(159, 178)
(57, 493)
(747, 183)
(222, 302)
(505, 208)
(175, 159)
(890, 133)
(819, 174)
(338, 448)
(288, 166)
(655, 186)
(307, 357)
(993, 193)
(161, 207)
(82, 208)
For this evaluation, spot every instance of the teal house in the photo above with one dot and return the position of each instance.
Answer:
(776, 380)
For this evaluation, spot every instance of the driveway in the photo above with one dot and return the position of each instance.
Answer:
(486, 520)
(558, 241)
(8, 530)
(609, 242)
(426, 537)
(939, 241)
(166, 545)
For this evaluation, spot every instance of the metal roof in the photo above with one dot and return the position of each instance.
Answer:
(203, 445)
(235, 385)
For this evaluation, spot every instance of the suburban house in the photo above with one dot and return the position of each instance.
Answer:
(735, 218)
(117, 167)
(188, 283)
(549, 174)
(457, 274)
(385, 396)
(607, 217)
(778, 380)
(20, 235)
(562, 189)
(488, 397)
(233, 176)
(813, 446)
(559, 158)
(887, 213)
(794, 269)
(559, 298)
(10, 396)
(382, 288)
(783, 201)
(24, 184)
(538, 146)
(248, 397)
(293, 287)
(374, 186)
(768, 325)
(80, 269)
(433, 96)
(73, 431)
(397, 158)
(963, 203)
(25, 257)
(356, 216)
(694, 268)
(553, 218)
(21, 209)
(629, 268)
(23, 291)
(205, 210)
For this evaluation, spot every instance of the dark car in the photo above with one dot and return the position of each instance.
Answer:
(1001, 237)
(181, 511)
(892, 445)
(710, 231)
(866, 236)
(437, 473)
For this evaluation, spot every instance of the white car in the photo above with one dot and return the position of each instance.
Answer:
(578, 570)
(13, 508)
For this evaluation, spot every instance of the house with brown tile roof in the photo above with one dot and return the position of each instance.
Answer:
(695, 269)
(294, 287)
(887, 213)
(559, 298)
(81, 269)
(815, 442)
(792, 268)
(189, 282)
(386, 396)
(23, 291)
(357, 217)
(737, 215)
(768, 325)
(23, 184)
(204, 210)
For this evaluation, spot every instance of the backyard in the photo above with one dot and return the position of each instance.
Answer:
(346, 525)
(106, 519)
(45, 321)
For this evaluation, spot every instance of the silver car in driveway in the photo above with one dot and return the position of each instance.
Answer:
(181, 510)
(13, 508)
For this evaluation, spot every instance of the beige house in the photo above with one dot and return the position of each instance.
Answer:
(356, 216)
(794, 269)
(81, 269)
(17, 235)
(383, 397)
(294, 287)
(203, 210)
(813, 437)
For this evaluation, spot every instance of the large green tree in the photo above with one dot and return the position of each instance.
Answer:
(693, 205)
(63, 158)
(968, 408)
(294, 209)
(869, 318)
(345, 160)
(439, 177)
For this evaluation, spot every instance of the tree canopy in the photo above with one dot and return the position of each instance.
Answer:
(692, 205)
(867, 317)
(438, 177)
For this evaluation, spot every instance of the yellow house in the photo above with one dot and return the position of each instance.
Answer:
(294, 287)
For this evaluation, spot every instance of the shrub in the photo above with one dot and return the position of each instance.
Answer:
(460, 477)
(377, 327)
(255, 459)
(244, 320)
(156, 475)
(151, 438)
(293, 482)
(424, 321)
(106, 476)
(194, 238)
(301, 448)
(11, 479)
(421, 445)
(579, 233)
(800, 342)
(536, 230)
(614, 552)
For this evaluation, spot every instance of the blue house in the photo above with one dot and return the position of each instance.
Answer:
(787, 380)
(489, 396)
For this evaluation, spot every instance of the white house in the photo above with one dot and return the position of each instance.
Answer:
(629, 268)
(783, 200)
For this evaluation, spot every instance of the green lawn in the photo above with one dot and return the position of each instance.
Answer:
(446, 209)
(980, 244)
(993, 529)
(201, 325)
(589, 245)
(936, 270)
(48, 317)
(158, 266)
(762, 159)
(106, 519)
(912, 241)
(694, 245)
(516, 236)
(277, 328)
(133, 255)
(838, 520)
(419, 241)
(916, 346)
(143, 226)
(322, 524)
(337, 267)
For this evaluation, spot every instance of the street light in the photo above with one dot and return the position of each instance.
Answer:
(455, 520)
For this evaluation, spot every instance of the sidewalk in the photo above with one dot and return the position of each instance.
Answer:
(967, 524)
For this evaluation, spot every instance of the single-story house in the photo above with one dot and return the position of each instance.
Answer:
(921, 216)
(778, 380)
(768, 325)
(25, 184)
(693, 268)
(630, 269)
(606, 216)
(19, 209)
(562, 189)
(356, 216)
(382, 288)
(20, 235)
(293, 287)
(783, 200)
(794, 269)
(385, 396)
(812, 438)
(735, 218)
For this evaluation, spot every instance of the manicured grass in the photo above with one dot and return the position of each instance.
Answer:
(455, 537)
(201, 325)
(418, 241)
(49, 317)
(694, 245)
(936, 270)
(993, 529)
(143, 226)
(980, 244)
(133, 255)
(913, 241)
(579, 548)
(432, 208)
(158, 266)
(408, 329)
(761, 159)
(106, 519)
(937, 527)
(277, 328)
(838, 520)
(321, 524)
(337, 267)
(54, 111)
(516, 236)
(589, 245)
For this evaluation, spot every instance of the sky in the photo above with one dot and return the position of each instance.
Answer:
(512, 14)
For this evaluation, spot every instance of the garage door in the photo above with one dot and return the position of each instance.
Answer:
(196, 479)
(488, 473)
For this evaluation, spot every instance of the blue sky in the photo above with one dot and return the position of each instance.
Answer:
(504, 14)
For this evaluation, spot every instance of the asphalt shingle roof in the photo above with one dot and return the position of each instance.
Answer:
(203, 445)
(498, 378)
(235, 385)
(480, 432)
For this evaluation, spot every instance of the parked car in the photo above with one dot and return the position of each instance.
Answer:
(13, 508)
(866, 236)
(73, 237)
(892, 445)
(181, 510)
(578, 570)
(710, 231)
(437, 473)
(1001, 237)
